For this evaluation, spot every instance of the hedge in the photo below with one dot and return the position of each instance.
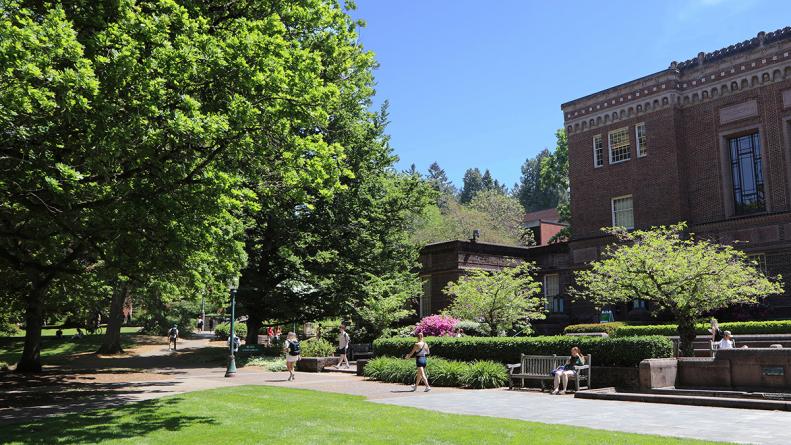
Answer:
(440, 372)
(605, 351)
(223, 330)
(608, 328)
(736, 328)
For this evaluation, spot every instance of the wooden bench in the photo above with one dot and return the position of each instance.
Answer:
(539, 367)
(361, 350)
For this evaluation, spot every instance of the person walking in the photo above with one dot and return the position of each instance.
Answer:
(420, 350)
(343, 347)
(278, 333)
(563, 373)
(200, 323)
(173, 335)
(292, 350)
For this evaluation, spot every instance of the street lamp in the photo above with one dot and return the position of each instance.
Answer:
(231, 371)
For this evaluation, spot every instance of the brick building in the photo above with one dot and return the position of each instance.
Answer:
(707, 141)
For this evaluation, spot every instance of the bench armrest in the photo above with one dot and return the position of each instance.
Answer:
(513, 366)
(580, 368)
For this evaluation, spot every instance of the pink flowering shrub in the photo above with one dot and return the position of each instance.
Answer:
(436, 325)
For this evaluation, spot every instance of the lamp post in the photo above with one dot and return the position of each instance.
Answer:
(231, 371)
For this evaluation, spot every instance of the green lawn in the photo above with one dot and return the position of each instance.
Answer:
(260, 414)
(11, 347)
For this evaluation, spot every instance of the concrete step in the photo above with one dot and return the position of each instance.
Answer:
(352, 369)
(721, 402)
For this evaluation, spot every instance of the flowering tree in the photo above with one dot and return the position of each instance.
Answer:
(502, 299)
(676, 272)
(436, 325)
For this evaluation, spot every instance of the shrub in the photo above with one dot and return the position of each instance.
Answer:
(4, 366)
(736, 328)
(404, 331)
(607, 328)
(223, 330)
(485, 374)
(436, 325)
(440, 372)
(317, 347)
(606, 351)
(271, 364)
(474, 328)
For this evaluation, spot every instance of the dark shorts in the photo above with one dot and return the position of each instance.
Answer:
(420, 362)
(342, 351)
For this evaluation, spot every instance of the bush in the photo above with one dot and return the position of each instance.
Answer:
(271, 364)
(606, 351)
(4, 366)
(404, 331)
(440, 372)
(485, 374)
(473, 328)
(607, 328)
(316, 347)
(736, 328)
(223, 330)
(8, 329)
(436, 325)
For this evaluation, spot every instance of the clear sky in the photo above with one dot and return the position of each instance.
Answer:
(480, 83)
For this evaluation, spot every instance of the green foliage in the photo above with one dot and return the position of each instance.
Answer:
(532, 193)
(269, 363)
(473, 328)
(454, 221)
(555, 175)
(670, 268)
(316, 347)
(441, 372)
(736, 328)
(506, 211)
(608, 328)
(485, 374)
(4, 366)
(157, 320)
(223, 330)
(503, 299)
(388, 300)
(626, 351)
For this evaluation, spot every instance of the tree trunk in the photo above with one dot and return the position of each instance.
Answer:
(112, 337)
(253, 323)
(686, 336)
(31, 354)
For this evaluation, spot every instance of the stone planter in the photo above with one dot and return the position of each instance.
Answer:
(316, 364)
(361, 365)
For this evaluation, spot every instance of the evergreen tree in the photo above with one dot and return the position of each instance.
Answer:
(439, 181)
(533, 193)
(473, 183)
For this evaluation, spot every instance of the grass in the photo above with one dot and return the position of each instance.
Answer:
(11, 347)
(260, 414)
(271, 364)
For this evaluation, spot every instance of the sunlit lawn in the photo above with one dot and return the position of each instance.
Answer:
(11, 347)
(260, 414)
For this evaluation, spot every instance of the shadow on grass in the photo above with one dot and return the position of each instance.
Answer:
(134, 420)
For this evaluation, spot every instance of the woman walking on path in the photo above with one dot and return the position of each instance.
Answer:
(420, 350)
(562, 373)
(292, 349)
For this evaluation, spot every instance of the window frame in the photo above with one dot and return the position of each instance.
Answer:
(612, 210)
(642, 149)
(554, 303)
(757, 168)
(596, 155)
(610, 145)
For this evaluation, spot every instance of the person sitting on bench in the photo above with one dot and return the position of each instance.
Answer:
(563, 372)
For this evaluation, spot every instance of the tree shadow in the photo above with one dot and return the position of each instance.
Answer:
(133, 420)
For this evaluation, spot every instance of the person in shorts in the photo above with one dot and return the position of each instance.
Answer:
(293, 351)
(173, 335)
(343, 347)
(420, 350)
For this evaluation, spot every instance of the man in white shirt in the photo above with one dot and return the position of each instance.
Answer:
(726, 342)
(343, 347)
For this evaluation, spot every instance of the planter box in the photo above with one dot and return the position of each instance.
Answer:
(316, 364)
(361, 365)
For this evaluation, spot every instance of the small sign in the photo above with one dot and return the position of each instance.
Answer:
(250, 349)
(774, 370)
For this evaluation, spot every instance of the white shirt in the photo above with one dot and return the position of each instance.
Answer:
(725, 344)
(343, 340)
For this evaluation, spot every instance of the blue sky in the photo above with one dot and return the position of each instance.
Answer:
(480, 83)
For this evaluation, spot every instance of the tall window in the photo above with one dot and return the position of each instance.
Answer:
(425, 299)
(639, 135)
(622, 212)
(747, 174)
(598, 151)
(620, 150)
(552, 293)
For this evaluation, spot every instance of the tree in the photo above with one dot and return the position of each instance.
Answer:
(555, 176)
(670, 268)
(388, 300)
(128, 121)
(507, 213)
(473, 183)
(533, 194)
(439, 180)
(505, 299)
(456, 222)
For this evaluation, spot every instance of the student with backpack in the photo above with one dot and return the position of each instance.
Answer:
(292, 350)
(343, 348)
(173, 335)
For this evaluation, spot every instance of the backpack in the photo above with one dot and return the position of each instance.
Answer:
(173, 332)
(293, 348)
(718, 334)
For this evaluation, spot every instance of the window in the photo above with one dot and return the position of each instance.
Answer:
(639, 304)
(425, 299)
(598, 151)
(747, 174)
(639, 135)
(622, 212)
(620, 150)
(552, 293)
